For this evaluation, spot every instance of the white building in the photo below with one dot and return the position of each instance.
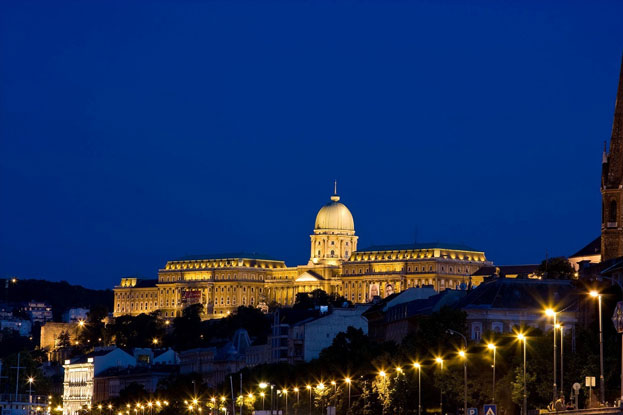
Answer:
(80, 372)
(309, 337)
(38, 311)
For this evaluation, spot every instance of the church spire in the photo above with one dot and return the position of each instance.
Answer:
(615, 157)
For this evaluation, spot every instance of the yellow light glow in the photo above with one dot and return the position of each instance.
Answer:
(382, 373)
(594, 294)
(347, 380)
(439, 360)
(308, 386)
(521, 337)
(263, 385)
(320, 386)
(296, 389)
(462, 354)
(491, 346)
(417, 365)
(550, 312)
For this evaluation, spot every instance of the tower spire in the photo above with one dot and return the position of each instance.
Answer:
(615, 157)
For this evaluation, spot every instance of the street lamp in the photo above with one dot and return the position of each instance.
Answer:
(551, 313)
(297, 398)
(562, 356)
(348, 381)
(463, 356)
(309, 388)
(262, 394)
(31, 380)
(492, 347)
(602, 387)
(285, 393)
(419, 387)
(439, 361)
(522, 338)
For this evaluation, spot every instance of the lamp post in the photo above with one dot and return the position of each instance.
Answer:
(562, 355)
(309, 388)
(463, 355)
(617, 324)
(297, 400)
(31, 380)
(492, 347)
(602, 391)
(439, 361)
(419, 387)
(271, 397)
(348, 381)
(551, 313)
(285, 393)
(263, 386)
(321, 387)
(524, 409)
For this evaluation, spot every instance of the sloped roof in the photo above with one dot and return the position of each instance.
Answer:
(514, 293)
(593, 248)
(506, 270)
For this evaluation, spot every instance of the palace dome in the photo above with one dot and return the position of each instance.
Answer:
(335, 216)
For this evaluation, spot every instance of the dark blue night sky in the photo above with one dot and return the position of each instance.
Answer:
(136, 132)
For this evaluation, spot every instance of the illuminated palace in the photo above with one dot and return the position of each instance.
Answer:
(221, 283)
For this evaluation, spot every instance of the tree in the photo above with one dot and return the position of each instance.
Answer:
(63, 339)
(557, 268)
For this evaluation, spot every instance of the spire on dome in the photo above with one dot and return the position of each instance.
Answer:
(335, 197)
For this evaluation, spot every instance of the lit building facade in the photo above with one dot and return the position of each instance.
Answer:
(222, 283)
(79, 374)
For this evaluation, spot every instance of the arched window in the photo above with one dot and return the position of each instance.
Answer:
(612, 212)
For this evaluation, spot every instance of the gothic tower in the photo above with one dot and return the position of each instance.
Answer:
(612, 185)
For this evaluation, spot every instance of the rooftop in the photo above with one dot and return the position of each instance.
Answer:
(230, 255)
(516, 293)
(593, 248)
(423, 245)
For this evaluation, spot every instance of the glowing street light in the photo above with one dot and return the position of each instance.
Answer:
(439, 361)
(551, 313)
(493, 348)
(419, 387)
(463, 356)
(309, 388)
(522, 338)
(597, 295)
(348, 381)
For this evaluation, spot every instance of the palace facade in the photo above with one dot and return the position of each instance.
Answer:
(222, 283)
